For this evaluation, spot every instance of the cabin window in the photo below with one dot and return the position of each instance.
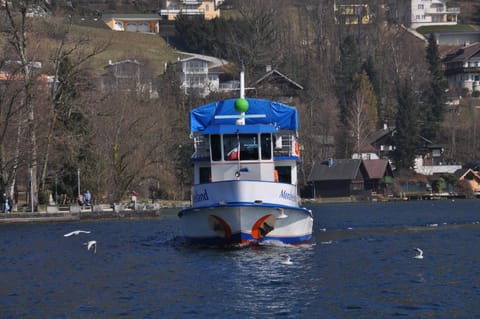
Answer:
(216, 146)
(231, 151)
(249, 147)
(240, 147)
(284, 174)
(266, 142)
(205, 175)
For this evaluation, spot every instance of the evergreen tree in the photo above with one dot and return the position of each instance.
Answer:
(407, 127)
(345, 87)
(346, 69)
(434, 108)
(371, 70)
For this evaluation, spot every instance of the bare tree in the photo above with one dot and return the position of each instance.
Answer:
(16, 31)
(362, 116)
(68, 60)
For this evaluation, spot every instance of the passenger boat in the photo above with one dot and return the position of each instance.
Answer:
(245, 174)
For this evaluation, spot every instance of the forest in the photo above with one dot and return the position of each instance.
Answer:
(67, 129)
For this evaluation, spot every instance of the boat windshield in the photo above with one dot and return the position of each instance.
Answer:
(246, 147)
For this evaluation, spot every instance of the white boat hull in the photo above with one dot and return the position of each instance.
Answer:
(244, 224)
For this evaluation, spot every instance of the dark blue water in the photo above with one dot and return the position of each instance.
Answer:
(360, 265)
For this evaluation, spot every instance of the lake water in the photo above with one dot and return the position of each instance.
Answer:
(360, 265)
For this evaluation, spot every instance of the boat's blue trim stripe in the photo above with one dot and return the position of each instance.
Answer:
(275, 158)
(286, 158)
(247, 204)
(241, 129)
(244, 237)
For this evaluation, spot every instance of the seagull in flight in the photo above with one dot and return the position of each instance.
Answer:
(419, 254)
(91, 244)
(77, 232)
(286, 259)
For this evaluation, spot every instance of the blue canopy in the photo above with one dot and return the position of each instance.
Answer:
(220, 113)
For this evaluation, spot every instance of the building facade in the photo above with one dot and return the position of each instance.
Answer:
(432, 12)
(462, 68)
(207, 8)
(145, 23)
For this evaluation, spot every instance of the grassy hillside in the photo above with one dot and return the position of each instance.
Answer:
(122, 45)
(129, 45)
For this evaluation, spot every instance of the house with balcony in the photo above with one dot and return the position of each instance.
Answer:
(462, 68)
(432, 12)
(200, 74)
(145, 23)
(208, 9)
(127, 76)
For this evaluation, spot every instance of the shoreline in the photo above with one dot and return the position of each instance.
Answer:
(85, 215)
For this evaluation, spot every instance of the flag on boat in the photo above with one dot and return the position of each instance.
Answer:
(233, 154)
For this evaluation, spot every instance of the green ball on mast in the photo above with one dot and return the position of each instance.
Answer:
(241, 105)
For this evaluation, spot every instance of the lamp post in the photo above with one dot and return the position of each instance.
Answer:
(32, 195)
(475, 108)
(78, 180)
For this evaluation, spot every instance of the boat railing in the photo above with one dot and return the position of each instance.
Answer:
(285, 145)
(201, 146)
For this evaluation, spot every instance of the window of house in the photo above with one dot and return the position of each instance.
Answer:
(436, 153)
(420, 6)
(119, 26)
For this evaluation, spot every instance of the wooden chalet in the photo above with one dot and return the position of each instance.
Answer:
(338, 177)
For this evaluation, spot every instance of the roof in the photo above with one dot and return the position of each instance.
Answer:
(462, 54)
(214, 62)
(278, 74)
(340, 169)
(110, 63)
(259, 111)
(461, 173)
(379, 134)
(376, 168)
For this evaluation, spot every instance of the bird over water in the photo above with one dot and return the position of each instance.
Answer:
(91, 244)
(419, 254)
(76, 232)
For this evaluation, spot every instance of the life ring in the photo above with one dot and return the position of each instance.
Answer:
(297, 149)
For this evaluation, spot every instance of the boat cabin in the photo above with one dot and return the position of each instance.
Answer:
(261, 146)
(258, 155)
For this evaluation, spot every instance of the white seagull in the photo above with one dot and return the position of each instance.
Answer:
(419, 254)
(286, 259)
(90, 244)
(76, 232)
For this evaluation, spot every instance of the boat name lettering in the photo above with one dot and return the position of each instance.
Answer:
(286, 195)
(200, 197)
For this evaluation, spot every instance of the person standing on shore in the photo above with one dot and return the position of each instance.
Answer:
(87, 197)
(133, 199)
(5, 205)
(10, 204)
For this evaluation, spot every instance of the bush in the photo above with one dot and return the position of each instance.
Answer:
(43, 197)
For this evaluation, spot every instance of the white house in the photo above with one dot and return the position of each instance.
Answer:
(197, 75)
(462, 68)
(432, 12)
